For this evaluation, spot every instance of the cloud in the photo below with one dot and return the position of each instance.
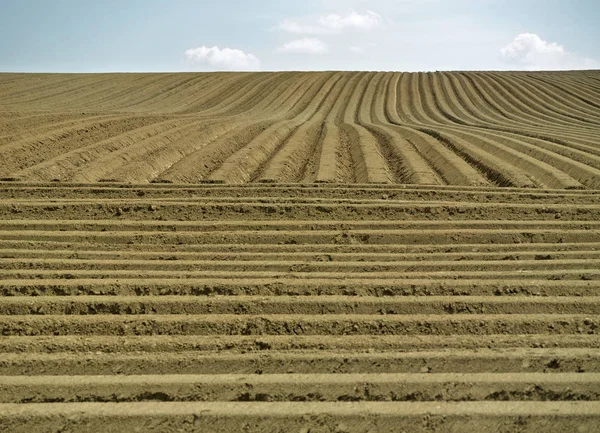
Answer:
(529, 51)
(334, 23)
(304, 46)
(354, 21)
(222, 59)
(356, 49)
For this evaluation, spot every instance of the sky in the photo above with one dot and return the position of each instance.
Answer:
(271, 35)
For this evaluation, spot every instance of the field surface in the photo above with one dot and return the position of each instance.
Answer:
(469, 129)
(300, 252)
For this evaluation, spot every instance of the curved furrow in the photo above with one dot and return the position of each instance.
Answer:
(146, 94)
(533, 104)
(94, 161)
(486, 102)
(296, 103)
(55, 132)
(101, 168)
(575, 165)
(370, 164)
(446, 165)
(389, 144)
(503, 123)
(207, 148)
(183, 96)
(392, 99)
(408, 164)
(405, 102)
(410, 99)
(436, 101)
(588, 154)
(117, 101)
(208, 95)
(177, 90)
(443, 102)
(449, 166)
(20, 155)
(285, 101)
(494, 168)
(591, 86)
(534, 130)
(37, 126)
(85, 97)
(542, 174)
(244, 165)
(148, 162)
(575, 145)
(575, 140)
(197, 165)
(577, 90)
(425, 128)
(291, 161)
(59, 97)
(332, 144)
(509, 105)
(67, 165)
(429, 106)
(253, 103)
(335, 162)
(226, 93)
(246, 97)
(150, 165)
(582, 96)
(555, 102)
(592, 83)
(505, 104)
(35, 84)
(469, 105)
(525, 119)
(396, 98)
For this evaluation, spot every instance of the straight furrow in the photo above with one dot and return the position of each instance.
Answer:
(318, 305)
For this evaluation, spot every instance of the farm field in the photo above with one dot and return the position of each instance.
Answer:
(471, 129)
(300, 252)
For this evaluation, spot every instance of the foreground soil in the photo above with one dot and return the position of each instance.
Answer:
(298, 308)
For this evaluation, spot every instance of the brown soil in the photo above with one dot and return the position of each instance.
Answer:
(409, 252)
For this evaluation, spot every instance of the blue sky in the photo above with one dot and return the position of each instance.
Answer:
(402, 35)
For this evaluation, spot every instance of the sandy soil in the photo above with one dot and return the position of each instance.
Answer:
(471, 129)
(408, 252)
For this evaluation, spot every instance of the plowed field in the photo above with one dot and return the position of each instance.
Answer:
(408, 252)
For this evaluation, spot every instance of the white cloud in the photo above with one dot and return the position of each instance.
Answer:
(334, 23)
(222, 59)
(529, 51)
(304, 46)
(354, 21)
(357, 50)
